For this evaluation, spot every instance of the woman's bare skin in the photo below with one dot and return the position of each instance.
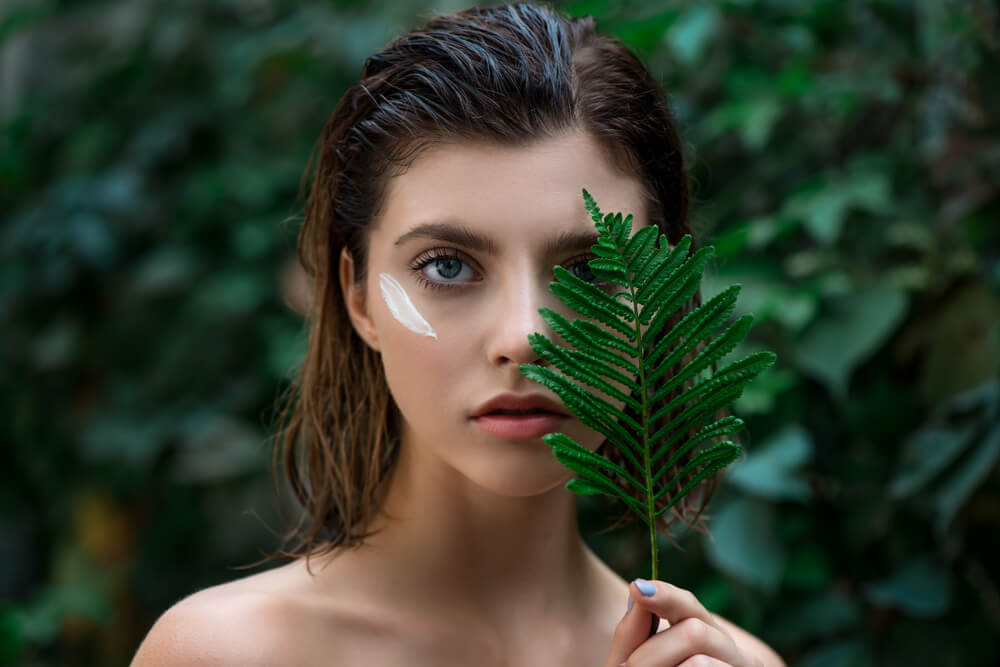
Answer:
(285, 616)
(476, 558)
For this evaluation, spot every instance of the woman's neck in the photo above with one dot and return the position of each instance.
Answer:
(447, 543)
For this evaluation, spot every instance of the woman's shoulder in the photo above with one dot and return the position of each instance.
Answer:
(268, 618)
(283, 616)
(238, 623)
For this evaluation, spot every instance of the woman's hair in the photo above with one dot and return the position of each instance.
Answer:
(506, 75)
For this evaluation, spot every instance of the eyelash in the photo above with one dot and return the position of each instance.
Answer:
(426, 258)
(450, 253)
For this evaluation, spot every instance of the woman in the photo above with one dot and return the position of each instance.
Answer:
(438, 530)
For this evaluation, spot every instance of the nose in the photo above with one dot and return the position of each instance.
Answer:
(517, 316)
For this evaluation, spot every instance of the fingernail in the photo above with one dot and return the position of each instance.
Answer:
(645, 587)
(629, 607)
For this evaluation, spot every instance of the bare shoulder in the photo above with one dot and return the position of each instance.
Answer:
(283, 616)
(231, 624)
(750, 644)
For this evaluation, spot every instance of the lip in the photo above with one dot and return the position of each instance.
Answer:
(523, 402)
(520, 427)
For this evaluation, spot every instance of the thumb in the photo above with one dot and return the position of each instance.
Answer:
(636, 626)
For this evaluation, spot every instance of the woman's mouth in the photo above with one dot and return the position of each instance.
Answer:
(520, 424)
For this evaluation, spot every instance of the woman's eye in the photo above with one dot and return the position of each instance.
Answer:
(579, 267)
(448, 268)
(441, 268)
(581, 271)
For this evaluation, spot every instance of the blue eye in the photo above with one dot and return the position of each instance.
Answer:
(448, 265)
(448, 268)
(584, 273)
(579, 267)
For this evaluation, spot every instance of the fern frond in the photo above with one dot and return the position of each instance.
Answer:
(745, 369)
(593, 411)
(691, 330)
(567, 448)
(588, 370)
(708, 462)
(602, 337)
(592, 302)
(640, 246)
(670, 268)
(576, 336)
(618, 341)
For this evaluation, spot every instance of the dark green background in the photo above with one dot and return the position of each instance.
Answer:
(845, 157)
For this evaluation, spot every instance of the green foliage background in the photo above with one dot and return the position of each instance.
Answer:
(845, 157)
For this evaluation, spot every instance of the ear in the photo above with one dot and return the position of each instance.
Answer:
(356, 302)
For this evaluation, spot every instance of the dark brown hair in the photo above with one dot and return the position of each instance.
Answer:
(508, 75)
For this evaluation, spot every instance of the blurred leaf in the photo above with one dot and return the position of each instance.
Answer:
(57, 346)
(771, 469)
(690, 35)
(824, 205)
(971, 472)
(744, 543)
(819, 617)
(163, 270)
(232, 292)
(921, 588)
(958, 342)
(808, 569)
(765, 295)
(132, 441)
(761, 396)
(20, 17)
(761, 115)
(926, 454)
(753, 118)
(716, 594)
(853, 329)
(840, 654)
(10, 635)
(79, 591)
(286, 349)
(645, 32)
(217, 447)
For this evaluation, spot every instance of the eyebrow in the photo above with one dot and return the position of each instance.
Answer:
(461, 235)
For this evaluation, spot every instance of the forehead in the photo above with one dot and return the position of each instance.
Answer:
(530, 192)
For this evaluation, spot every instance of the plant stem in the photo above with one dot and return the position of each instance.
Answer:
(650, 502)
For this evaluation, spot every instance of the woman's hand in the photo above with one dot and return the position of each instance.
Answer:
(695, 638)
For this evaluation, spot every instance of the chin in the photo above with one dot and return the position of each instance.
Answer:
(521, 475)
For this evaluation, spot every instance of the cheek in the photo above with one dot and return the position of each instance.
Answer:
(421, 361)
(418, 373)
(402, 308)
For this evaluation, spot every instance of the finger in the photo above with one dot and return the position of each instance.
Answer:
(668, 601)
(686, 640)
(703, 661)
(631, 631)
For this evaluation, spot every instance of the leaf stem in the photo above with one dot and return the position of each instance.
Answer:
(646, 427)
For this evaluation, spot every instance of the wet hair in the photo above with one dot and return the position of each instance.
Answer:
(507, 75)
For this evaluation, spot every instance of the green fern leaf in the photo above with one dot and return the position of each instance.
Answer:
(573, 334)
(589, 371)
(618, 341)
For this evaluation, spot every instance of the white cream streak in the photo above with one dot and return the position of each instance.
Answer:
(401, 307)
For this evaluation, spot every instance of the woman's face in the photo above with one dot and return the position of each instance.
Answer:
(460, 261)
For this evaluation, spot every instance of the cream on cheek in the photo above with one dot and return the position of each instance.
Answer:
(399, 304)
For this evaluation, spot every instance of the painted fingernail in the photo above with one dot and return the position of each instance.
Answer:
(645, 587)
(629, 607)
